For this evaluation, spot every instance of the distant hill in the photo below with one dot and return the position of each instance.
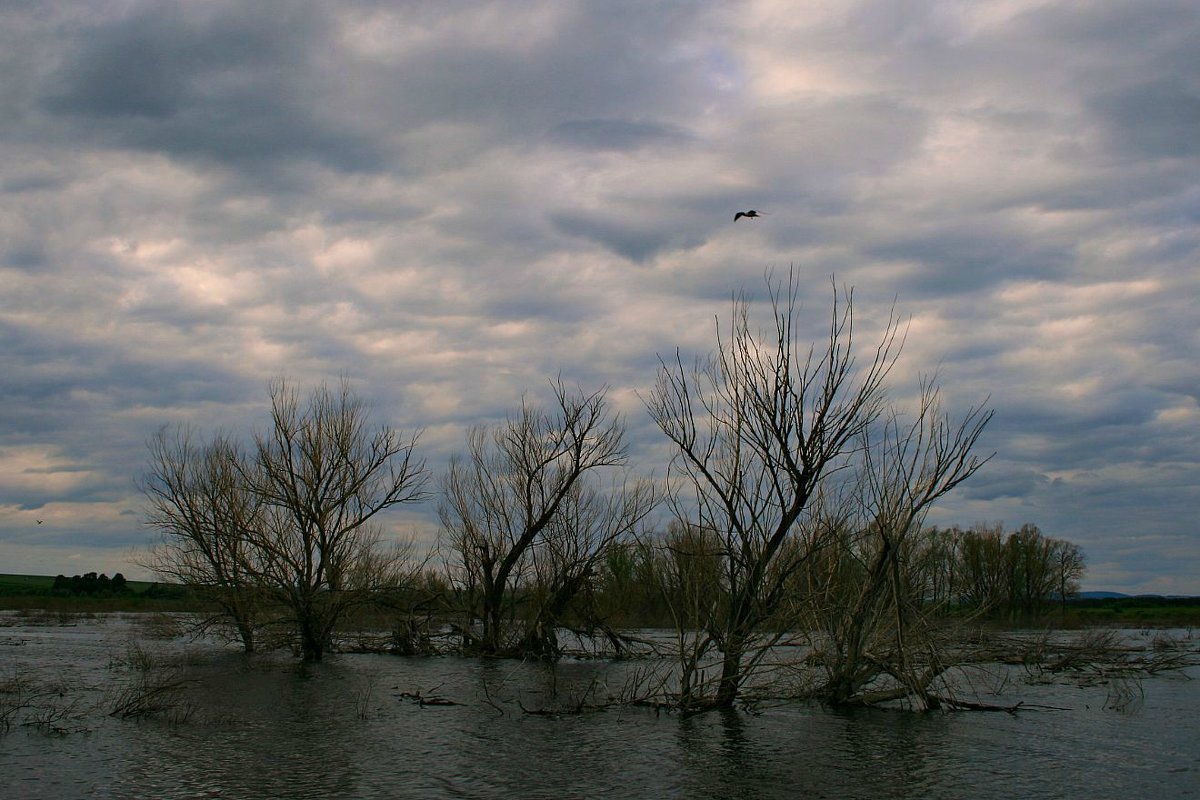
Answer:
(17, 591)
(1100, 595)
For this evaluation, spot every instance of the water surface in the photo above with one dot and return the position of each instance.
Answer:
(267, 727)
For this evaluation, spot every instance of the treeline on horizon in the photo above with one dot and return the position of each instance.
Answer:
(32, 587)
(93, 586)
(982, 572)
(90, 584)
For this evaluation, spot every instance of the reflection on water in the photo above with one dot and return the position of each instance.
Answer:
(351, 727)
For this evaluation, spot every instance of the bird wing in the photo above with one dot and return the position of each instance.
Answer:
(738, 215)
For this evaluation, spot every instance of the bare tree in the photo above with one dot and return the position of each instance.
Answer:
(567, 557)
(323, 477)
(691, 570)
(1070, 565)
(757, 428)
(905, 464)
(204, 513)
(521, 518)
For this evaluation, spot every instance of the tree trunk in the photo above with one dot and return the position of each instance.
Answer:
(540, 641)
(489, 642)
(311, 647)
(731, 672)
(312, 640)
(246, 634)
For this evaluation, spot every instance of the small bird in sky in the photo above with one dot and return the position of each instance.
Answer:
(39, 522)
(751, 214)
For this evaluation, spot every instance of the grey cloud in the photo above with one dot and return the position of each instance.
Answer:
(1157, 119)
(54, 378)
(969, 257)
(636, 241)
(617, 134)
(25, 256)
(994, 482)
(828, 138)
(532, 297)
(30, 180)
(449, 204)
(1148, 28)
(1133, 66)
(231, 83)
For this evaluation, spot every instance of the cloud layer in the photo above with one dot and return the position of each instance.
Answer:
(450, 203)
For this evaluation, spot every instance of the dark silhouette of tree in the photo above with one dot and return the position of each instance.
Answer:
(904, 464)
(756, 428)
(322, 477)
(760, 430)
(525, 522)
(1018, 575)
(289, 529)
(203, 508)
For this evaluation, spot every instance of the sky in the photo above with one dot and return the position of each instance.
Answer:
(448, 204)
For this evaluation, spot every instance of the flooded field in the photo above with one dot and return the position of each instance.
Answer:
(118, 706)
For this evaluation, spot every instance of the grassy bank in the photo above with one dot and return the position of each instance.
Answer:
(1134, 612)
(19, 592)
(36, 592)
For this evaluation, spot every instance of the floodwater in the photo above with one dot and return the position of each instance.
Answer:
(352, 727)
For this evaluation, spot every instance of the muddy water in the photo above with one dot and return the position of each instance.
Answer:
(352, 727)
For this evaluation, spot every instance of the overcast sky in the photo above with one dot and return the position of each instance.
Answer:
(449, 203)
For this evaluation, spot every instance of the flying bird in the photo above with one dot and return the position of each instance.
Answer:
(751, 214)
(39, 522)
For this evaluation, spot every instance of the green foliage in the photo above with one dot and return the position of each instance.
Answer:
(1018, 575)
(89, 593)
(35, 585)
(90, 584)
(1148, 610)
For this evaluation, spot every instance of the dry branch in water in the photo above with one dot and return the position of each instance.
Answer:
(152, 694)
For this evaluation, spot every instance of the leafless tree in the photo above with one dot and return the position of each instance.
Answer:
(522, 516)
(204, 512)
(323, 477)
(757, 428)
(904, 465)
(691, 570)
(1070, 565)
(566, 559)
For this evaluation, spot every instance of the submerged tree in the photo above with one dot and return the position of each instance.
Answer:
(290, 529)
(760, 427)
(525, 522)
(204, 512)
(872, 627)
(567, 560)
(757, 427)
(323, 476)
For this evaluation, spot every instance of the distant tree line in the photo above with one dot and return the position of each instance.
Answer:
(794, 505)
(981, 571)
(1020, 574)
(90, 585)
